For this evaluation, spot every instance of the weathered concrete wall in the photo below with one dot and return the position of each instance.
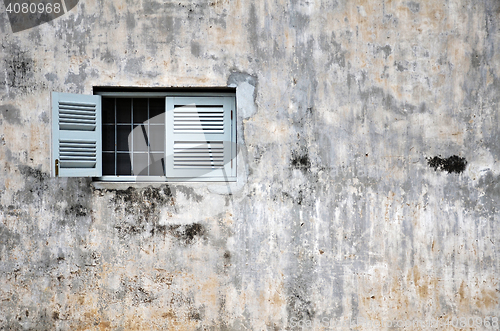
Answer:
(338, 213)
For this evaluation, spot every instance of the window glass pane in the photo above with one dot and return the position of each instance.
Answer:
(108, 138)
(108, 164)
(157, 138)
(123, 166)
(141, 163)
(141, 139)
(122, 134)
(140, 107)
(123, 110)
(157, 110)
(108, 110)
(157, 164)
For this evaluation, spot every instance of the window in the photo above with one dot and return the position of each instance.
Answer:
(133, 136)
(145, 136)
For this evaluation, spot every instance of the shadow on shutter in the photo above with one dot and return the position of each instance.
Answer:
(200, 137)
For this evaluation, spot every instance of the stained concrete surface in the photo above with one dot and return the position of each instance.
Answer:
(338, 215)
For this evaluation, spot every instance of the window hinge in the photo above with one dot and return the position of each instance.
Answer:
(231, 163)
(57, 167)
(231, 114)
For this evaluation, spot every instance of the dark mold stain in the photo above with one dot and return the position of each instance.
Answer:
(12, 211)
(19, 70)
(300, 161)
(36, 184)
(157, 195)
(298, 305)
(33, 173)
(89, 258)
(142, 201)
(192, 231)
(133, 288)
(77, 210)
(302, 195)
(451, 164)
(187, 234)
(126, 229)
(142, 296)
(195, 315)
(163, 277)
(145, 204)
(69, 199)
(298, 199)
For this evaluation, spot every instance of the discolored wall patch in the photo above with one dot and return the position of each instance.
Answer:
(452, 164)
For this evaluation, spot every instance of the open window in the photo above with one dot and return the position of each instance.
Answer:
(145, 136)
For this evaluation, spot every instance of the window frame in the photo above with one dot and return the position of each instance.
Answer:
(143, 93)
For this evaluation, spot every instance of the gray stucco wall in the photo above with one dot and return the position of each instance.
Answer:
(337, 214)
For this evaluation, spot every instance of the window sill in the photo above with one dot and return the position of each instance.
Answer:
(124, 182)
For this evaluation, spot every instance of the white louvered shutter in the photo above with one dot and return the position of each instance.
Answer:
(76, 135)
(200, 139)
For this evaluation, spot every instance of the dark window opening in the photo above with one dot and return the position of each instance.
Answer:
(133, 136)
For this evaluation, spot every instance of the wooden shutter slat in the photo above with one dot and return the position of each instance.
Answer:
(76, 135)
(199, 137)
(77, 103)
